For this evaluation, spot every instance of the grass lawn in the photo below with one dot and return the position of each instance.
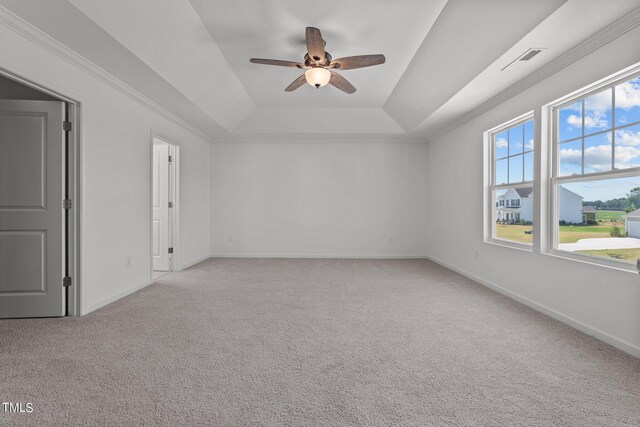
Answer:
(514, 233)
(568, 233)
(573, 233)
(610, 215)
(630, 255)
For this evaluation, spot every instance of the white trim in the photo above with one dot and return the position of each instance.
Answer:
(525, 247)
(488, 179)
(192, 263)
(616, 342)
(551, 111)
(116, 297)
(28, 31)
(315, 256)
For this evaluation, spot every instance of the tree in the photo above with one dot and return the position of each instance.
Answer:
(633, 199)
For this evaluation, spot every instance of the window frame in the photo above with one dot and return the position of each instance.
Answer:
(491, 204)
(552, 111)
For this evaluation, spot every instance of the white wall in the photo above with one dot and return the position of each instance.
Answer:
(569, 206)
(116, 181)
(602, 301)
(313, 198)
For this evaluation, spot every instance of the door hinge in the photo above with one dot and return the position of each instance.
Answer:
(170, 159)
(170, 204)
(66, 126)
(66, 282)
(66, 204)
(170, 250)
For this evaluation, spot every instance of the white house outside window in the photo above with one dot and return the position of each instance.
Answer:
(596, 172)
(510, 181)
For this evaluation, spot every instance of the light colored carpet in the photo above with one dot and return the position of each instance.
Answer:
(314, 342)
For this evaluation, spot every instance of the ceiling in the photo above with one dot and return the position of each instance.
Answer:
(444, 58)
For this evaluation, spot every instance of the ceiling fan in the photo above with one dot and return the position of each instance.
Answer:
(319, 65)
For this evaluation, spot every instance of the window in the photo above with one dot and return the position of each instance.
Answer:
(596, 173)
(510, 182)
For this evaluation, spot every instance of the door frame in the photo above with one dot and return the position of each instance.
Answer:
(174, 196)
(74, 167)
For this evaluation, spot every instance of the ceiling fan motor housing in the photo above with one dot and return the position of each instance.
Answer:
(310, 62)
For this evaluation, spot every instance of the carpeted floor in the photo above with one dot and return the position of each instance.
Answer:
(314, 342)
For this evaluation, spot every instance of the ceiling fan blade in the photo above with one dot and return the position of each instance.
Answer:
(276, 62)
(315, 44)
(351, 62)
(296, 83)
(341, 83)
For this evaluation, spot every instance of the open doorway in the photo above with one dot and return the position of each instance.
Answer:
(164, 206)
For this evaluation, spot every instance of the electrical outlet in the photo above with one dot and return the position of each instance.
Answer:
(230, 239)
(477, 254)
(128, 261)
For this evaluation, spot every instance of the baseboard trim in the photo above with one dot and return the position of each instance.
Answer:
(318, 256)
(191, 264)
(116, 297)
(616, 342)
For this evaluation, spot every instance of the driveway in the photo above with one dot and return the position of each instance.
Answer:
(604, 243)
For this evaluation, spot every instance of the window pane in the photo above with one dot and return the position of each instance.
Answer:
(515, 222)
(597, 112)
(628, 147)
(528, 136)
(501, 145)
(570, 121)
(597, 153)
(528, 167)
(501, 171)
(628, 102)
(515, 140)
(592, 221)
(515, 169)
(570, 156)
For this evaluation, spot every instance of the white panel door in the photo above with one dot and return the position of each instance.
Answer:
(31, 211)
(160, 207)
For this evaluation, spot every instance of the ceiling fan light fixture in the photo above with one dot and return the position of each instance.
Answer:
(317, 76)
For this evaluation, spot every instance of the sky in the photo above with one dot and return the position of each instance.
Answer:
(599, 131)
(603, 130)
(604, 189)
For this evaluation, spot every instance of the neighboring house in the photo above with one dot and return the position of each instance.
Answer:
(516, 205)
(589, 215)
(632, 223)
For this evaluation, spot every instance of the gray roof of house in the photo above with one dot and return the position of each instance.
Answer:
(588, 209)
(635, 213)
(524, 192)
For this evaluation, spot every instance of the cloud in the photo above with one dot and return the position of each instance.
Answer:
(628, 94)
(627, 157)
(571, 155)
(501, 143)
(599, 103)
(529, 145)
(592, 120)
(597, 157)
(574, 120)
(628, 138)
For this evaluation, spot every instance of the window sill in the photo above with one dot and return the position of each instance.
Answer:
(591, 260)
(509, 244)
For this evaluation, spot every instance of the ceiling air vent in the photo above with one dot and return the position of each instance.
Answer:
(530, 53)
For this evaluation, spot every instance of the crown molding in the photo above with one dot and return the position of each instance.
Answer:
(326, 137)
(13, 22)
(582, 49)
